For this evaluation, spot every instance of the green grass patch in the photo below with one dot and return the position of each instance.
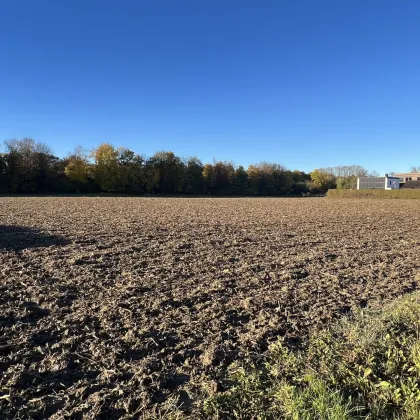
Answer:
(411, 194)
(364, 367)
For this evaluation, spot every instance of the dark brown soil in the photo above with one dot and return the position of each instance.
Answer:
(126, 307)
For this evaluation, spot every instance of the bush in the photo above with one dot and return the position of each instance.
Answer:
(414, 194)
(367, 366)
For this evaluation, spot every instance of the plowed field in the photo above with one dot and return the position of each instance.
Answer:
(126, 307)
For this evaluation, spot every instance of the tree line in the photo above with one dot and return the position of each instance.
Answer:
(29, 167)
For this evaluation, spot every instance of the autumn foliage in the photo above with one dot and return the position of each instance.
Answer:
(30, 167)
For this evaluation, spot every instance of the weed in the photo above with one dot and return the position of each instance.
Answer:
(366, 366)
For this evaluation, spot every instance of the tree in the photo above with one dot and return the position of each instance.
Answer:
(13, 162)
(45, 166)
(170, 170)
(106, 166)
(254, 179)
(193, 180)
(131, 172)
(209, 176)
(241, 182)
(3, 173)
(151, 177)
(346, 176)
(270, 179)
(224, 174)
(301, 181)
(31, 166)
(219, 177)
(322, 181)
(77, 168)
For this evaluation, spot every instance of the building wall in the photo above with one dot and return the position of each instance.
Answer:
(378, 183)
(408, 176)
(392, 183)
(371, 183)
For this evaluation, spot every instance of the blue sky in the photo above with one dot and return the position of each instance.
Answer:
(306, 83)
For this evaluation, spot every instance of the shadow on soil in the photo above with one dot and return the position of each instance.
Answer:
(17, 238)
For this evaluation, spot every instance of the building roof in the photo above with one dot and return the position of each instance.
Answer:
(379, 177)
(411, 185)
(371, 177)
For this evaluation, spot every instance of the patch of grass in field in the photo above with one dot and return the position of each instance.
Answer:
(413, 194)
(367, 366)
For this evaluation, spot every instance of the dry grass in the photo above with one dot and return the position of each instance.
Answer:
(381, 194)
(121, 307)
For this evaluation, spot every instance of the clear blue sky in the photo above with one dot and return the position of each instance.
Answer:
(306, 83)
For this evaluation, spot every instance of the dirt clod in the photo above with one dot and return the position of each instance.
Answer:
(113, 307)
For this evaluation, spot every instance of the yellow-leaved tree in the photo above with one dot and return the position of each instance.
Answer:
(106, 170)
(322, 181)
(77, 168)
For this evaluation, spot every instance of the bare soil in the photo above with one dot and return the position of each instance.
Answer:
(126, 307)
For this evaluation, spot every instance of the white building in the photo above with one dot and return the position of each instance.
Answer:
(378, 183)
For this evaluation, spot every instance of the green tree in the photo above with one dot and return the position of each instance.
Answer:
(151, 177)
(241, 182)
(170, 170)
(131, 172)
(3, 173)
(194, 180)
(209, 176)
(31, 166)
(301, 182)
(224, 175)
(13, 163)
